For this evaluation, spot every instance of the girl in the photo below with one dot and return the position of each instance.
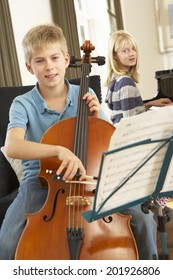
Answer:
(123, 96)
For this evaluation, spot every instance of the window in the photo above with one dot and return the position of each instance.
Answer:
(93, 25)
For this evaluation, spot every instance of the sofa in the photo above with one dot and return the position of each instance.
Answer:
(10, 169)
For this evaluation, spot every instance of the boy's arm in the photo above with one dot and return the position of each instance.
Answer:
(17, 147)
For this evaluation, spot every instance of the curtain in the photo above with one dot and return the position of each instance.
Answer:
(64, 15)
(9, 67)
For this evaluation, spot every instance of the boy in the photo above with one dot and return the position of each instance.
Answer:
(51, 100)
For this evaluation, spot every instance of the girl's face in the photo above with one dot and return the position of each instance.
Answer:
(126, 56)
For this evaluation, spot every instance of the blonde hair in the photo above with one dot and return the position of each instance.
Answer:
(116, 42)
(40, 37)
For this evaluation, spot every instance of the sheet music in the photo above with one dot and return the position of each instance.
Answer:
(119, 166)
(168, 184)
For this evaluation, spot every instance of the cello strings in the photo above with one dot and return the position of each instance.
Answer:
(80, 144)
(84, 133)
(69, 208)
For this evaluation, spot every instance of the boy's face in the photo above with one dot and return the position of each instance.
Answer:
(49, 65)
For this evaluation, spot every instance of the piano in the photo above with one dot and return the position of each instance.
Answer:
(164, 85)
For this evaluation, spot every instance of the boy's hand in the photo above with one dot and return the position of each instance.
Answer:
(93, 104)
(72, 164)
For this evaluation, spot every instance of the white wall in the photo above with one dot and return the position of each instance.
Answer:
(26, 14)
(139, 18)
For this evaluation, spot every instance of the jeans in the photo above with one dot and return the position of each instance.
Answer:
(30, 199)
(144, 230)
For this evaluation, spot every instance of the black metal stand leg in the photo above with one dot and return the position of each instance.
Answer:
(161, 227)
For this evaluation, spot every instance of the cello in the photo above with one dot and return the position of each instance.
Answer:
(58, 231)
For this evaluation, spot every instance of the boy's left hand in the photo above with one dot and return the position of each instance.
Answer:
(93, 104)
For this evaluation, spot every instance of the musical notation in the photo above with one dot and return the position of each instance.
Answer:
(136, 153)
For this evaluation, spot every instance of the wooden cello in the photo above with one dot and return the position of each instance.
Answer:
(58, 231)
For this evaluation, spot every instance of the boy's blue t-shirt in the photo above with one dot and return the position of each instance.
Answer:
(29, 111)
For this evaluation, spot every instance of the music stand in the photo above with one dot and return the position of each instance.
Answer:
(138, 165)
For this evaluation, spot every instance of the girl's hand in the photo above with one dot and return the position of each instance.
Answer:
(162, 102)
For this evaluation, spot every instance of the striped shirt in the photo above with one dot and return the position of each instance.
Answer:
(123, 99)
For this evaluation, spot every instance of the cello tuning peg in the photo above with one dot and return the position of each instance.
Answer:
(73, 61)
(100, 60)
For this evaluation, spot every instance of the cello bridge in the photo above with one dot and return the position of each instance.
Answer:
(77, 201)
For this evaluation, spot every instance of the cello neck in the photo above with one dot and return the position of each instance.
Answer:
(81, 131)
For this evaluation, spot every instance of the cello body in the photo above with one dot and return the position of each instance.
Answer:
(54, 232)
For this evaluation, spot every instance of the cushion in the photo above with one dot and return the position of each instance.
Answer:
(16, 164)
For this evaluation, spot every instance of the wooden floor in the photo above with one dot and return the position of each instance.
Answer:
(168, 235)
